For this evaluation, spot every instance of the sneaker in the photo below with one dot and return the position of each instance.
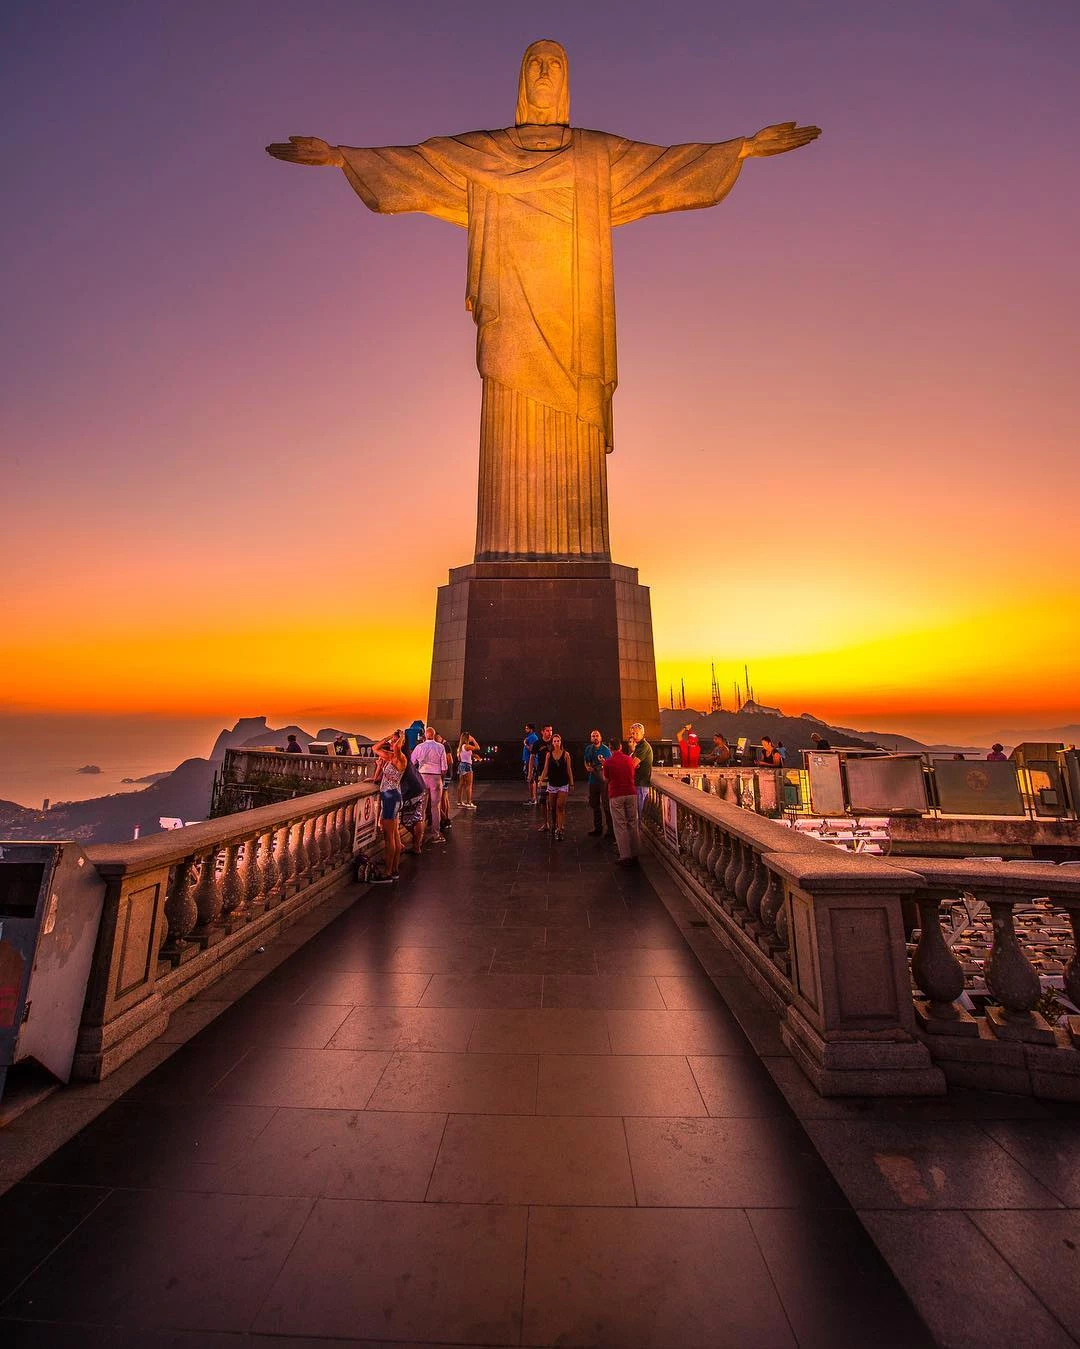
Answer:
(435, 838)
(381, 880)
(558, 835)
(543, 829)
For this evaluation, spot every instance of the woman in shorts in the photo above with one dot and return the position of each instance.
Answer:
(392, 763)
(467, 747)
(557, 776)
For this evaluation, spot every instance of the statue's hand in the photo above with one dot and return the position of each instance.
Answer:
(778, 139)
(307, 150)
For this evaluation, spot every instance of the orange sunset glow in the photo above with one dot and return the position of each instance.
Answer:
(845, 432)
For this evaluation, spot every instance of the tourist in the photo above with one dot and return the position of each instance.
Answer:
(540, 751)
(527, 761)
(447, 784)
(781, 749)
(997, 754)
(556, 777)
(642, 753)
(818, 743)
(689, 747)
(392, 764)
(414, 735)
(596, 754)
(720, 754)
(429, 758)
(467, 747)
(292, 746)
(619, 772)
(770, 755)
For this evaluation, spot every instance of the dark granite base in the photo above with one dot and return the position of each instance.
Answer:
(568, 643)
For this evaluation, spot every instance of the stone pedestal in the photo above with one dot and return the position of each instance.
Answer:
(565, 643)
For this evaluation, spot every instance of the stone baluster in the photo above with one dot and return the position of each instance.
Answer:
(712, 856)
(234, 883)
(704, 844)
(723, 856)
(321, 840)
(1012, 980)
(772, 903)
(759, 884)
(742, 881)
(181, 913)
(208, 900)
(939, 974)
(306, 852)
(734, 862)
(1072, 969)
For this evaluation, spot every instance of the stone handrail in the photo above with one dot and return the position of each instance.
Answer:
(820, 932)
(183, 907)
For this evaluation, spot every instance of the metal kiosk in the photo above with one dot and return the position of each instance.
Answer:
(51, 899)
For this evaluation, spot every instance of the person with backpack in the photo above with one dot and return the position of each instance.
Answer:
(392, 764)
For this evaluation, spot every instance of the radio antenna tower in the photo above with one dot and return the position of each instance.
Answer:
(717, 705)
(682, 694)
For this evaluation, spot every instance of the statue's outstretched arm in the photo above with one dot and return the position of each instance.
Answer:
(777, 140)
(310, 150)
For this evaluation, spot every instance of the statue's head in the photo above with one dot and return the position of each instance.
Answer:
(544, 85)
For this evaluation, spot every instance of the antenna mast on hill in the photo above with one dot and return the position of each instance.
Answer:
(738, 697)
(717, 705)
(671, 696)
(682, 694)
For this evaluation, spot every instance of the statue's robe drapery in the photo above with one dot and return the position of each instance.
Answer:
(541, 291)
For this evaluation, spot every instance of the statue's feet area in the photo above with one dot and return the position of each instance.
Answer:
(499, 1103)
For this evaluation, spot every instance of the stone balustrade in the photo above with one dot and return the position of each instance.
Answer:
(255, 777)
(818, 930)
(821, 932)
(1011, 1046)
(759, 789)
(183, 907)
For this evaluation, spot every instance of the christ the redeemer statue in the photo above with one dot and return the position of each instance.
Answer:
(539, 200)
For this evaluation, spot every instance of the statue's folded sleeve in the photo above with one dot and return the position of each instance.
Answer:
(654, 179)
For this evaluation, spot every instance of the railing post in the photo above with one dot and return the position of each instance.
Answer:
(939, 974)
(1012, 979)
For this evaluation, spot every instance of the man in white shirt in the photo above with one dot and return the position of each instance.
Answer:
(429, 759)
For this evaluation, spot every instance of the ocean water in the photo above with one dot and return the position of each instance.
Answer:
(40, 755)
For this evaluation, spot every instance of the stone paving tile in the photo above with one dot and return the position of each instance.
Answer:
(152, 1144)
(1049, 1152)
(337, 1154)
(835, 1287)
(737, 1086)
(728, 1163)
(649, 1279)
(602, 991)
(925, 1166)
(34, 1220)
(967, 1294)
(442, 959)
(712, 1031)
(494, 1084)
(451, 1272)
(483, 990)
(1044, 1249)
(684, 992)
(622, 1084)
(548, 961)
(368, 988)
(297, 1026)
(486, 1159)
(545, 1030)
(192, 1261)
(331, 1079)
(424, 1028)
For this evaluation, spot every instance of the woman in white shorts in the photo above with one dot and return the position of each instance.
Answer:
(557, 776)
(467, 747)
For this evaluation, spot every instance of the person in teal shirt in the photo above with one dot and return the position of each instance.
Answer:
(596, 752)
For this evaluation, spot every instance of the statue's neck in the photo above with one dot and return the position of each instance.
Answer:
(542, 136)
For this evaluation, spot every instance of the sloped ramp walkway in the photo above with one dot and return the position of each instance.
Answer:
(498, 1104)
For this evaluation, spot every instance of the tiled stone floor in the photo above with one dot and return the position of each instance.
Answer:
(498, 1104)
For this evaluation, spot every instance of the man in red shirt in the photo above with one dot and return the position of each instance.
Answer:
(619, 772)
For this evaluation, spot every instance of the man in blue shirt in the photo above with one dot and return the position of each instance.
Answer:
(596, 752)
(527, 747)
